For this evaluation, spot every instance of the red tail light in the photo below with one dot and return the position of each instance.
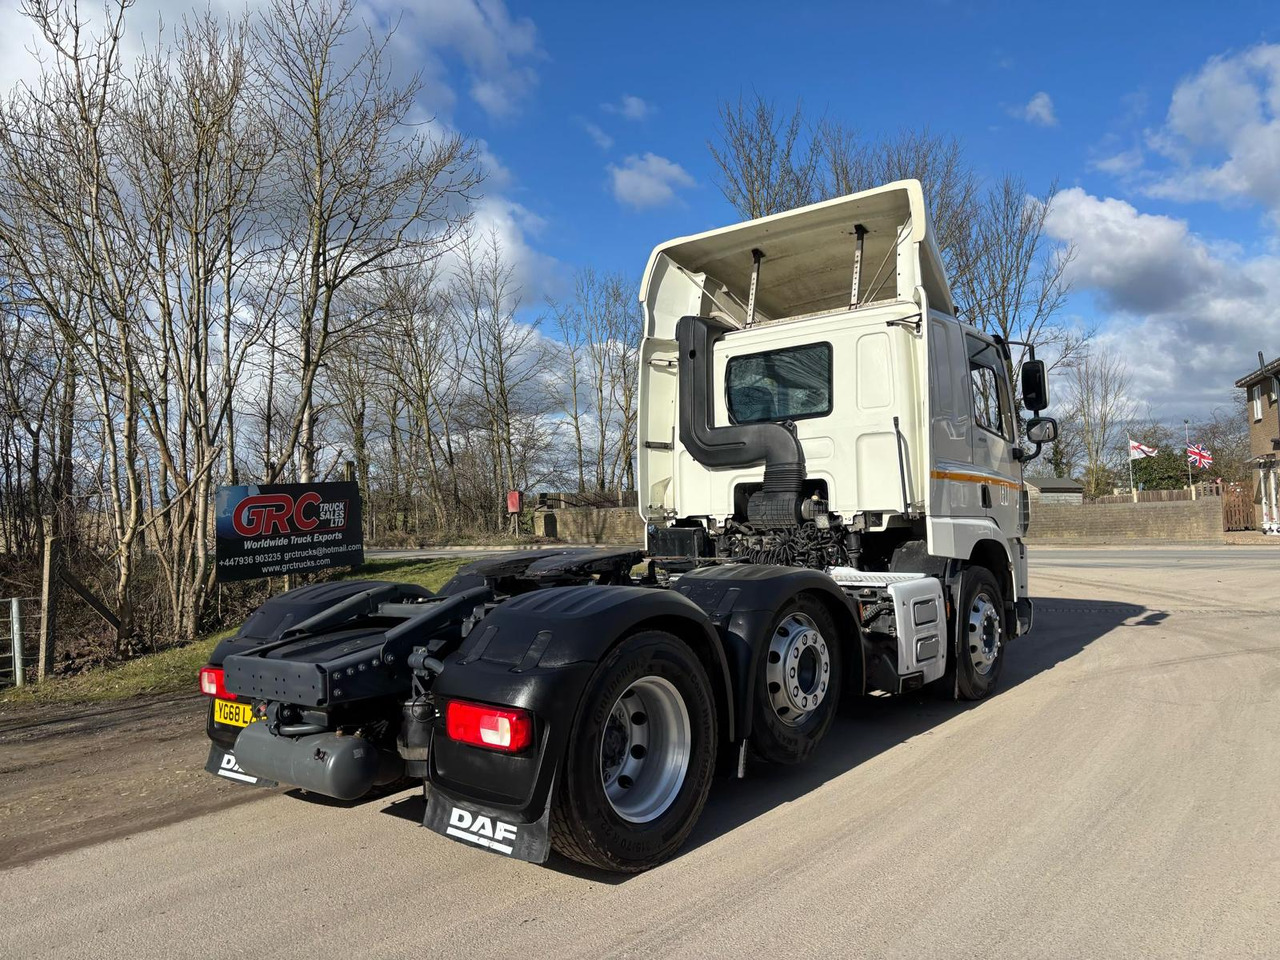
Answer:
(211, 683)
(497, 728)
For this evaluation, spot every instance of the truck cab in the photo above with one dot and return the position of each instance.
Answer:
(836, 321)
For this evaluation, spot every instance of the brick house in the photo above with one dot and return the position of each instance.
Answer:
(1263, 415)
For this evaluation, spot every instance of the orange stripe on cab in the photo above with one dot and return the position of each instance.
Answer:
(974, 478)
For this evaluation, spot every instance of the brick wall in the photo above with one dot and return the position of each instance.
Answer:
(1262, 431)
(1101, 522)
(590, 525)
(1091, 522)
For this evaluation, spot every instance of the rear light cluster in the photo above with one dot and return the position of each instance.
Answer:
(506, 729)
(212, 685)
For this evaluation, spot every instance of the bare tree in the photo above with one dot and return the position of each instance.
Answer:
(768, 162)
(423, 357)
(65, 232)
(1012, 277)
(504, 365)
(357, 181)
(624, 385)
(952, 188)
(1098, 395)
(598, 377)
(570, 325)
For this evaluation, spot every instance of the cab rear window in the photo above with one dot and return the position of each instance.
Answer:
(788, 384)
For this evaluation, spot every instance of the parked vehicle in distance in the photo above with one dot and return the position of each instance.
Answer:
(830, 469)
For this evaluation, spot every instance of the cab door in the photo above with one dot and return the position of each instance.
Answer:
(992, 431)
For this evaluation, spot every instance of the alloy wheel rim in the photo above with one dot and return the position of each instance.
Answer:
(797, 669)
(984, 634)
(644, 749)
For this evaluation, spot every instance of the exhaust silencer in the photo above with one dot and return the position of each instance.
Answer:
(342, 767)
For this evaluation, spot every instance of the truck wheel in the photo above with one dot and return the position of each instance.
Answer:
(799, 683)
(979, 635)
(640, 757)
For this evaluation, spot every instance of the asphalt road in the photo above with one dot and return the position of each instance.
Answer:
(1118, 798)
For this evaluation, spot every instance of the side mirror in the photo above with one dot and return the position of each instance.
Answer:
(1042, 430)
(1035, 386)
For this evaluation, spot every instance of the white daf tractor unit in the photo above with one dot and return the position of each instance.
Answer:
(809, 397)
(830, 472)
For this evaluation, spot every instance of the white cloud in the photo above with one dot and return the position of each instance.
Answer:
(648, 181)
(515, 225)
(1120, 164)
(1038, 110)
(1188, 315)
(496, 50)
(629, 108)
(1222, 132)
(598, 136)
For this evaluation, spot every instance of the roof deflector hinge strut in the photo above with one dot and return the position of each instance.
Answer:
(756, 257)
(859, 232)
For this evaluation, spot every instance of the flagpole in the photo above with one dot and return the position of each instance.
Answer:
(1133, 491)
(1186, 426)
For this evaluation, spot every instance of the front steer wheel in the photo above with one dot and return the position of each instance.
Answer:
(640, 758)
(980, 637)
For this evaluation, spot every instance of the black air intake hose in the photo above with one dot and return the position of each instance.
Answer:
(742, 445)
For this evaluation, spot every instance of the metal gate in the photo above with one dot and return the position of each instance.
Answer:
(19, 632)
(1237, 507)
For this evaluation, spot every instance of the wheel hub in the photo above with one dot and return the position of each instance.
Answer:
(985, 633)
(644, 749)
(797, 669)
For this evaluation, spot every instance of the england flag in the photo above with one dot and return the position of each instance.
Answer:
(1139, 450)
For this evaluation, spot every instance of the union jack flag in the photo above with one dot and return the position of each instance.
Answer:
(1199, 456)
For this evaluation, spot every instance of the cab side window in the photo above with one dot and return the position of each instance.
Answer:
(992, 407)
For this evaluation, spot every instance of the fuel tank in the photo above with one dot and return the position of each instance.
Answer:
(343, 767)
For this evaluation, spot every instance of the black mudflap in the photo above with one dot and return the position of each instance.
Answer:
(222, 763)
(489, 829)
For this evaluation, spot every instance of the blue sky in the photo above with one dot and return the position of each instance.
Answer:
(963, 68)
(1158, 120)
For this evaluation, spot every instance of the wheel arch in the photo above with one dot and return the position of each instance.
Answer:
(994, 556)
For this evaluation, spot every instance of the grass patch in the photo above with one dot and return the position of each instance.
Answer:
(432, 574)
(174, 670)
(169, 671)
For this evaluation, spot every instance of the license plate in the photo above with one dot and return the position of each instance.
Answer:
(232, 714)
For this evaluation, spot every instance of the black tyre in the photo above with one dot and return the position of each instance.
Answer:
(798, 684)
(641, 754)
(980, 634)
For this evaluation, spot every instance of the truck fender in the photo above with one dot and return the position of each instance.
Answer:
(538, 651)
(742, 601)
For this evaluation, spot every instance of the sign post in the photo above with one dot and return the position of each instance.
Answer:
(277, 529)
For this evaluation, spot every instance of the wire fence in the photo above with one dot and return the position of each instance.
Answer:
(19, 639)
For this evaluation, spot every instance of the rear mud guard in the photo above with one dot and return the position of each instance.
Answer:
(222, 763)
(489, 828)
